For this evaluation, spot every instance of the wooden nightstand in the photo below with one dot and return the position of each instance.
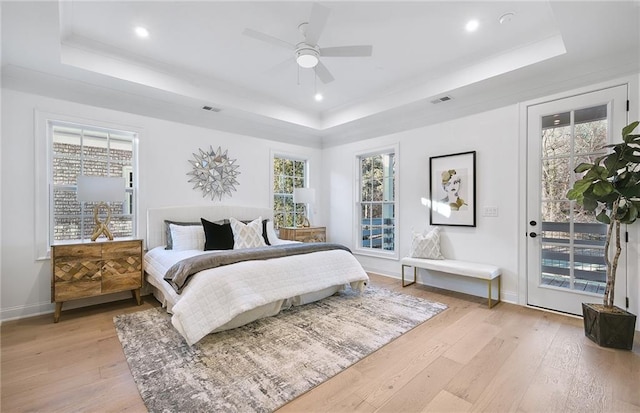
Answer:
(304, 234)
(95, 268)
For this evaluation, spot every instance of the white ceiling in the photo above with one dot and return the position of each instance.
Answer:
(196, 55)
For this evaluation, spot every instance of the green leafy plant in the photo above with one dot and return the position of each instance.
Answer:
(610, 188)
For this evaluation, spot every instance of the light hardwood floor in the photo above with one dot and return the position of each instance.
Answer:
(468, 358)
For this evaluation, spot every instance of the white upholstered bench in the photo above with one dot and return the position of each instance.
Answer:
(467, 269)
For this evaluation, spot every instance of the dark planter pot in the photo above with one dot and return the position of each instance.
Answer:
(613, 329)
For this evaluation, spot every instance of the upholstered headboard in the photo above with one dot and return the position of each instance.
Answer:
(156, 217)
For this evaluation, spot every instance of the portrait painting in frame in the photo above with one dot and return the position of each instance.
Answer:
(452, 189)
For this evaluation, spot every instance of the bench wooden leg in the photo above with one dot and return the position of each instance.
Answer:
(415, 271)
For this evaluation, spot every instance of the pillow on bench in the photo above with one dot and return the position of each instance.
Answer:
(426, 246)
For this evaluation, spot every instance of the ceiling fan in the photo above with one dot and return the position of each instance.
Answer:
(307, 52)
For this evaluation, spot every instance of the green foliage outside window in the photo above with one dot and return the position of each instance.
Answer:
(288, 174)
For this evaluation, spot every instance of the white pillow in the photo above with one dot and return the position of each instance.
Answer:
(247, 235)
(271, 233)
(187, 237)
(426, 246)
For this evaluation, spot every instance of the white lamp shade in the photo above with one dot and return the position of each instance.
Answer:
(304, 195)
(100, 189)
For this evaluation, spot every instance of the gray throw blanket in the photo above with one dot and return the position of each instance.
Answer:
(180, 273)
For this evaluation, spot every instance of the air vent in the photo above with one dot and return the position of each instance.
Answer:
(211, 109)
(441, 99)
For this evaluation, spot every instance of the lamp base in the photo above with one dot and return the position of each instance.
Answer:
(305, 222)
(101, 227)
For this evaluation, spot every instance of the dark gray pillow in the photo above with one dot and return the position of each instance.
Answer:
(217, 235)
(167, 231)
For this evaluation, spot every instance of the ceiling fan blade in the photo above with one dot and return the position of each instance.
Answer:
(269, 39)
(347, 51)
(323, 73)
(277, 69)
(317, 21)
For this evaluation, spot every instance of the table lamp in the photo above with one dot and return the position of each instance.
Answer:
(304, 196)
(101, 189)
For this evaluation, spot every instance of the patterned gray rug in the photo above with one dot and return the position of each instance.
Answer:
(263, 365)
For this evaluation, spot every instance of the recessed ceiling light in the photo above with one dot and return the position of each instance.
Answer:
(472, 25)
(318, 97)
(142, 32)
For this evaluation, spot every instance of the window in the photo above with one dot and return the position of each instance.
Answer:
(288, 174)
(84, 150)
(376, 203)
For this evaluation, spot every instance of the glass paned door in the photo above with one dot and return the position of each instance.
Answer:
(565, 247)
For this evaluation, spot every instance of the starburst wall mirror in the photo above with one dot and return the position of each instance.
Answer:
(214, 173)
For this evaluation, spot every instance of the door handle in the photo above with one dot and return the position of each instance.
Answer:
(533, 234)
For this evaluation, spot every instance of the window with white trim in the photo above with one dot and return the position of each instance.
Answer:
(77, 149)
(288, 174)
(376, 202)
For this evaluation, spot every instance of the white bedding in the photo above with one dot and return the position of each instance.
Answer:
(158, 260)
(229, 296)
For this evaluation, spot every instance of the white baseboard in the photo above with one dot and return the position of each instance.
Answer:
(24, 311)
(32, 310)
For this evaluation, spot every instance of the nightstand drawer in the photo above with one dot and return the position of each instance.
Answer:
(77, 269)
(121, 249)
(77, 252)
(70, 290)
(113, 282)
(121, 274)
(122, 266)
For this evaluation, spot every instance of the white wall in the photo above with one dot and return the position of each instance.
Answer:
(494, 137)
(164, 150)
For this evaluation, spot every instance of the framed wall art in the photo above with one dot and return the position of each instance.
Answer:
(452, 189)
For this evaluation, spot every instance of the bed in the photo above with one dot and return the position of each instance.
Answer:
(231, 295)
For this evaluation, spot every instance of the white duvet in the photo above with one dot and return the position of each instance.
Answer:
(214, 297)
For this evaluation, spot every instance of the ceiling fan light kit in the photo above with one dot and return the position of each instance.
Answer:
(307, 56)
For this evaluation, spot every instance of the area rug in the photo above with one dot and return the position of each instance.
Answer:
(263, 365)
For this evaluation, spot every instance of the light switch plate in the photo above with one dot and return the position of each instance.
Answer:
(490, 211)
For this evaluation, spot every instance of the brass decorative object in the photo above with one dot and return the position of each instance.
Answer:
(101, 227)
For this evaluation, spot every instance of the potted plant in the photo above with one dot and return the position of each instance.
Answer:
(610, 188)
